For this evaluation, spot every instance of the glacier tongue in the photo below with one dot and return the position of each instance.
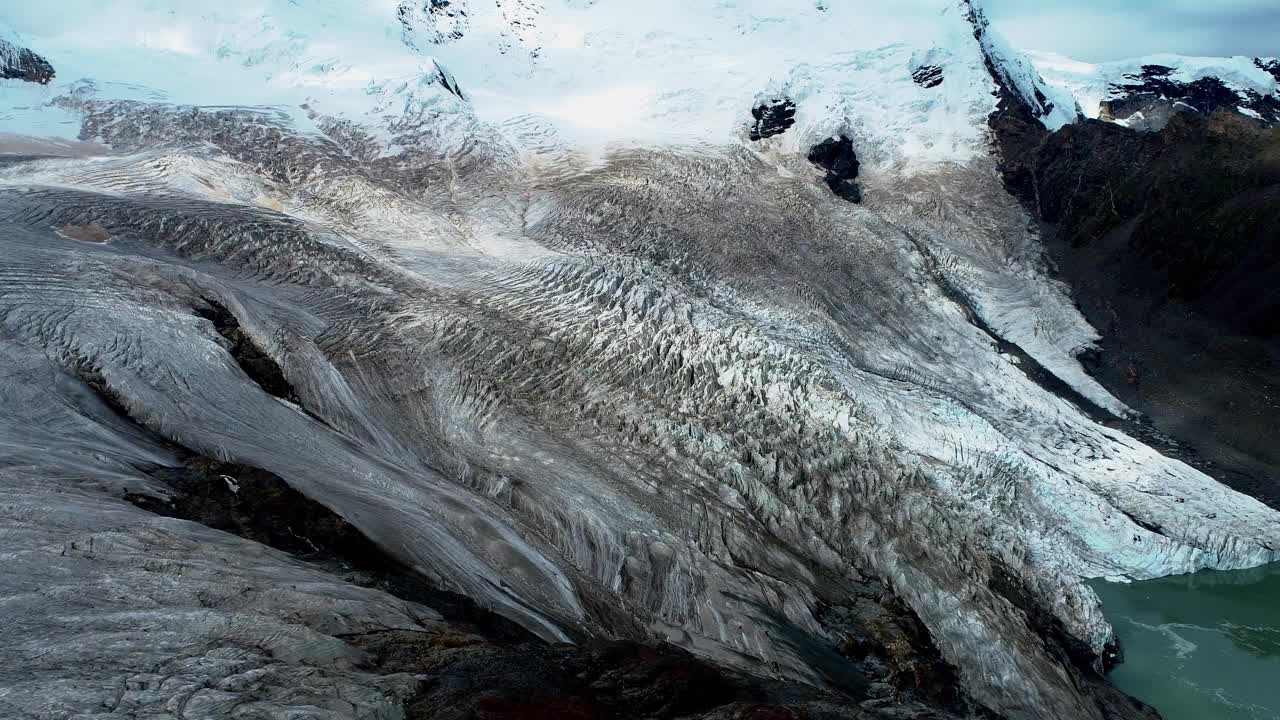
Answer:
(568, 343)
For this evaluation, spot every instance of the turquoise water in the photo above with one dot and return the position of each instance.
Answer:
(1200, 647)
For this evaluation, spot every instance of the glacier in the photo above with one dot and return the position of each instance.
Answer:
(559, 338)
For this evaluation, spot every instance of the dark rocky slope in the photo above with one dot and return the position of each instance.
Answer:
(772, 118)
(837, 157)
(1171, 241)
(19, 63)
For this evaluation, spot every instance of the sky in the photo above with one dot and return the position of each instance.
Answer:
(1099, 30)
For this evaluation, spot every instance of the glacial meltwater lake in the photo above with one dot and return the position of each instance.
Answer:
(1203, 646)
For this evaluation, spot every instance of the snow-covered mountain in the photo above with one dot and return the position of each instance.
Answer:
(1142, 92)
(589, 72)
(596, 71)
(562, 306)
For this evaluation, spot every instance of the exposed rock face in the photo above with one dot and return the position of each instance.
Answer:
(1201, 200)
(772, 118)
(1169, 241)
(837, 157)
(432, 22)
(1271, 65)
(259, 366)
(927, 76)
(472, 676)
(1018, 135)
(447, 81)
(19, 63)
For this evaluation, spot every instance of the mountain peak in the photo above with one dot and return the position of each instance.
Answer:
(1016, 74)
(1144, 92)
(19, 63)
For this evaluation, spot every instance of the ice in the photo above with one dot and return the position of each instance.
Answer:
(568, 341)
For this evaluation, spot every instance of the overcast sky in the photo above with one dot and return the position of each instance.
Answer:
(1099, 30)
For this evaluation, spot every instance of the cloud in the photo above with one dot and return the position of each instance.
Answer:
(1098, 30)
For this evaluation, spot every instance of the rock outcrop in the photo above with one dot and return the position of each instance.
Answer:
(19, 63)
(772, 118)
(927, 76)
(838, 158)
